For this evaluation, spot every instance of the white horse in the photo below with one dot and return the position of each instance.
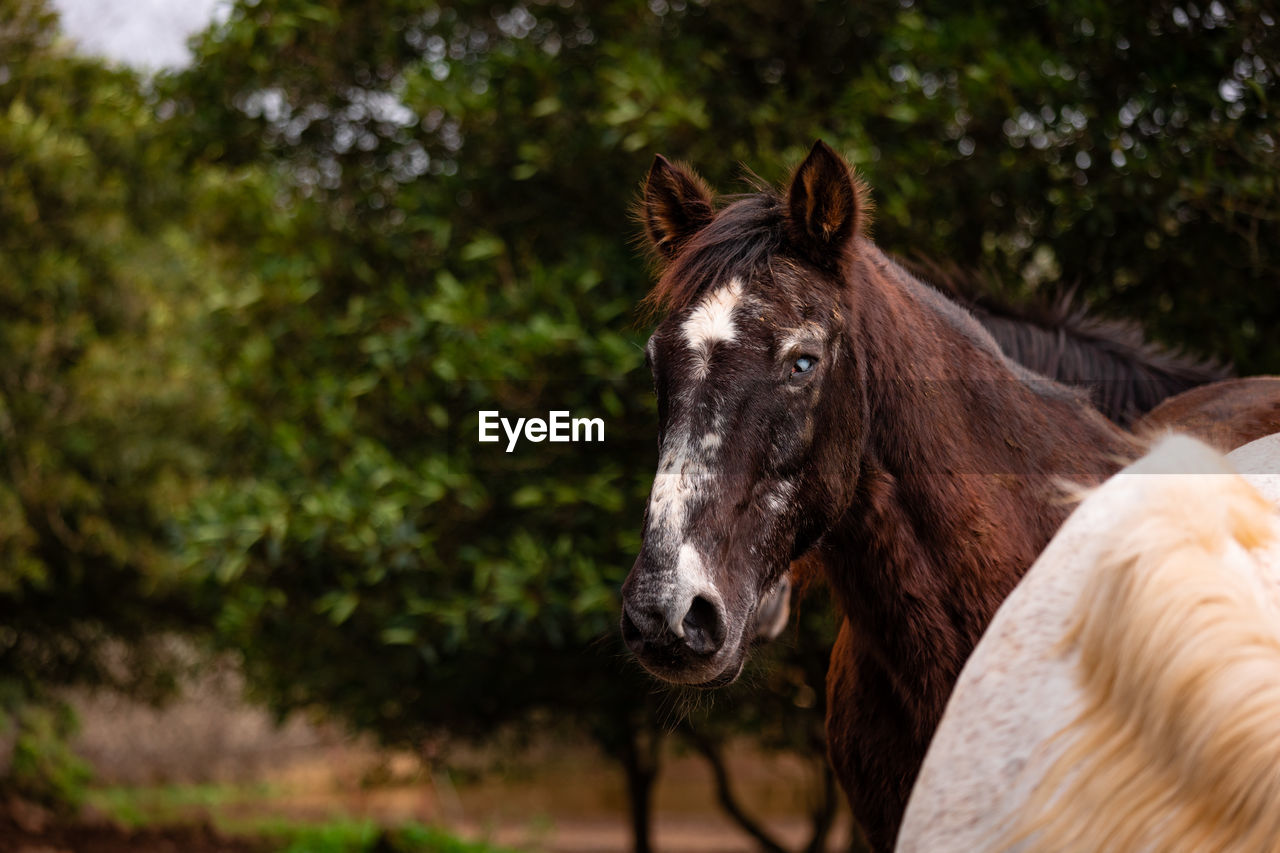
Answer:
(1126, 697)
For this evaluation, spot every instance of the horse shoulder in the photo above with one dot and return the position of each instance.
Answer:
(1016, 690)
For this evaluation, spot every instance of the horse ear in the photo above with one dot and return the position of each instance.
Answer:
(677, 205)
(825, 200)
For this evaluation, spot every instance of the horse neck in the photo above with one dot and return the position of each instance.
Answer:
(958, 480)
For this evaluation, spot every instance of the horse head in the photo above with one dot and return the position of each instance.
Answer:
(758, 450)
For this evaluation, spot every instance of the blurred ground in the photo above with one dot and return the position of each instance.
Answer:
(212, 760)
(24, 829)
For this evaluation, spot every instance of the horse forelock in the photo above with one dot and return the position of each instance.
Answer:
(738, 243)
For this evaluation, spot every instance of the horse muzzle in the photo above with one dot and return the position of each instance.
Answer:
(679, 632)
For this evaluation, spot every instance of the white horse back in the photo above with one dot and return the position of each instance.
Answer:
(1020, 688)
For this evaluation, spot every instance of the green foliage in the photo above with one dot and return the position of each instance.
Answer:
(1120, 146)
(101, 404)
(225, 806)
(360, 522)
(362, 836)
(1129, 148)
(42, 766)
(169, 804)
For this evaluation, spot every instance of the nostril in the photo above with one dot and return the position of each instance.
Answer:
(703, 627)
(631, 633)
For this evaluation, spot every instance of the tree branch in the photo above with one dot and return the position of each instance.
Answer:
(710, 750)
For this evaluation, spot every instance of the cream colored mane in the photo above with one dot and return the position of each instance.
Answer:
(1177, 746)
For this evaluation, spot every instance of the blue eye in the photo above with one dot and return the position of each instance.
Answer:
(803, 365)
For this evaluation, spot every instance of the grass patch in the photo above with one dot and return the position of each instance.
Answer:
(346, 836)
(138, 807)
(143, 806)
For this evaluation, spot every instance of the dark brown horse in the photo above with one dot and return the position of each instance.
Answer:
(816, 400)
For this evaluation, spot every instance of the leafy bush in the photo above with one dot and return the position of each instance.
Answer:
(42, 766)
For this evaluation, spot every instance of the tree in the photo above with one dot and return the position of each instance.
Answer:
(101, 415)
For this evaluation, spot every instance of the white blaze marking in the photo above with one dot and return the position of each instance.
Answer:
(680, 475)
(712, 321)
(683, 470)
(691, 580)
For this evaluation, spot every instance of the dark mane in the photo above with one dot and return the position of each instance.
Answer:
(1125, 374)
(739, 241)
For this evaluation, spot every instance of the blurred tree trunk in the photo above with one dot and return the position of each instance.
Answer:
(823, 815)
(821, 818)
(713, 751)
(640, 756)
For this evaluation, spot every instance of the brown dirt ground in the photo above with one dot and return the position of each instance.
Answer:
(555, 797)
